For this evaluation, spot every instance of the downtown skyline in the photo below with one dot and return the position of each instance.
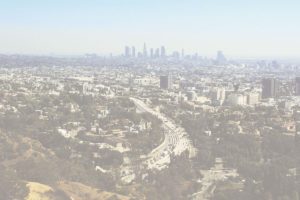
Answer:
(253, 29)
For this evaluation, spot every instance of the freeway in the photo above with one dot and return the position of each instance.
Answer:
(176, 140)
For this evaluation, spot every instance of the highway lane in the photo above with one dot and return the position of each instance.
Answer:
(175, 142)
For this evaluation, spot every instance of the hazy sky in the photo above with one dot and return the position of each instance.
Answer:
(241, 28)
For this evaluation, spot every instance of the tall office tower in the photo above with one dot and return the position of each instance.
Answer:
(166, 82)
(151, 53)
(221, 59)
(145, 53)
(269, 88)
(182, 53)
(163, 52)
(297, 84)
(127, 52)
(133, 51)
(157, 53)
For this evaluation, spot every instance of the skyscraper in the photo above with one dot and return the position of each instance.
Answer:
(157, 53)
(127, 52)
(221, 59)
(151, 53)
(133, 51)
(269, 88)
(297, 83)
(166, 82)
(163, 52)
(145, 53)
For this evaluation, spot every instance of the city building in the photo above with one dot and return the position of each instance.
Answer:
(133, 51)
(221, 59)
(218, 95)
(237, 99)
(166, 82)
(269, 88)
(151, 53)
(156, 53)
(127, 52)
(145, 52)
(163, 51)
(191, 95)
(253, 98)
(297, 88)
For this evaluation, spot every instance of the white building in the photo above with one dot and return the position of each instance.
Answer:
(237, 99)
(253, 98)
(218, 94)
(145, 81)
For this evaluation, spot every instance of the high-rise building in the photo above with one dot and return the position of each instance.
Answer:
(163, 51)
(297, 84)
(166, 82)
(182, 54)
(269, 88)
(145, 52)
(157, 53)
(133, 51)
(151, 53)
(221, 59)
(127, 51)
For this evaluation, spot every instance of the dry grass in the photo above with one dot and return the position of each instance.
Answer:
(38, 191)
(79, 191)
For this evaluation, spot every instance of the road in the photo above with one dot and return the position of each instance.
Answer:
(175, 142)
